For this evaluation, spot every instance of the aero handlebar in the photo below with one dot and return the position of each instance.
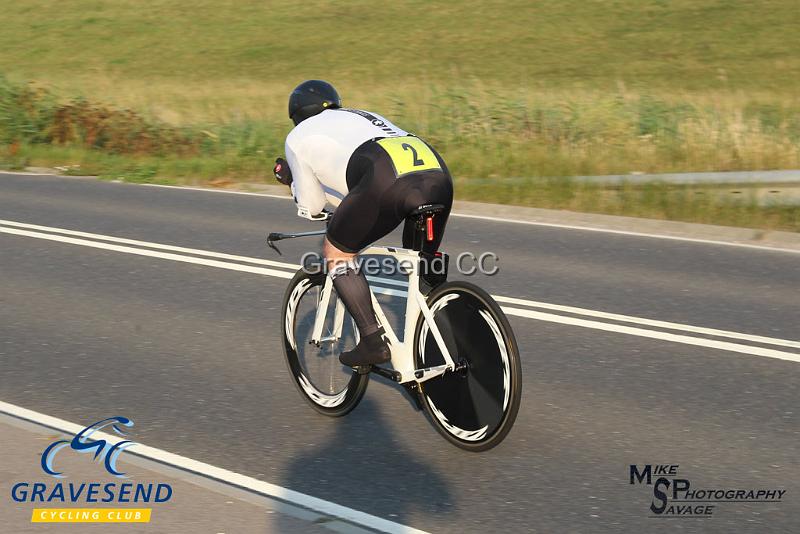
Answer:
(278, 236)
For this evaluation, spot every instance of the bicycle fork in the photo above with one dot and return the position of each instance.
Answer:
(322, 312)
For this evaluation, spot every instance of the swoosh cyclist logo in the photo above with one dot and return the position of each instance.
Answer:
(81, 443)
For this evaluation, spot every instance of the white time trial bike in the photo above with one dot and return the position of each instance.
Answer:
(457, 358)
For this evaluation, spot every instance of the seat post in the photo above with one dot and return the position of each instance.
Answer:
(419, 233)
(422, 218)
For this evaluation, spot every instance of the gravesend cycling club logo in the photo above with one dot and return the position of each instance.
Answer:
(676, 497)
(100, 447)
(104, 440)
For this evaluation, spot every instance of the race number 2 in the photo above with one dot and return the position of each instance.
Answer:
(409, 154)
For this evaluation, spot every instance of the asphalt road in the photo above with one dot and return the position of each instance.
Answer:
(191, 353)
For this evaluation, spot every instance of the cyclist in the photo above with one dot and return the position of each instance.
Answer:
(375, 174)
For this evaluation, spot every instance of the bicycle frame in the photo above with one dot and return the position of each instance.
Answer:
(402, 350)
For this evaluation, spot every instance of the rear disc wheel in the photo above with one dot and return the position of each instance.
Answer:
(474, 407)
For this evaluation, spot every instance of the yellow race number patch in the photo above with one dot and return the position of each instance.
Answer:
(409, 154)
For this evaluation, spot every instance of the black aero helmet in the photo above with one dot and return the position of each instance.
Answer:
(312, 97)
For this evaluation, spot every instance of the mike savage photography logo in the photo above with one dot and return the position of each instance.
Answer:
(105, 448)
(677, 497)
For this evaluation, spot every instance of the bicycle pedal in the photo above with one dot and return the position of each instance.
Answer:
(387, 373)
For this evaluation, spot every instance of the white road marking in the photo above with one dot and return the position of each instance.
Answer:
(151, 253)
(208, 190)
(721, 345)
(650, 322)
(219, 474)
(629, 233)
(387, 281)
(665, 336)
(623, 318)
(534, 223)
(148, 244)
(499, 298)
(26, 173)
(503, 220)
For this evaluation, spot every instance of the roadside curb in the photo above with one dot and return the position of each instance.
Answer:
(556, 218)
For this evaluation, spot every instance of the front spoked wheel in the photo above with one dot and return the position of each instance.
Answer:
(475, 407)
(329, 387)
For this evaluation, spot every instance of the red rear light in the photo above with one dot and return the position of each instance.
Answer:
(429, 225)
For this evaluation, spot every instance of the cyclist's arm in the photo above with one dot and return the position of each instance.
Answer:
(306, 189)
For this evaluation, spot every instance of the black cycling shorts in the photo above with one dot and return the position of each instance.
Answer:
(378, 200)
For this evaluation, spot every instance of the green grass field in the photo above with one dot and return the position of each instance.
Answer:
(502, 89)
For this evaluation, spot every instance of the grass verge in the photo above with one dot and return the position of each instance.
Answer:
(501, 88)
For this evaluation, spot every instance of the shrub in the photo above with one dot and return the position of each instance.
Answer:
(32, 115)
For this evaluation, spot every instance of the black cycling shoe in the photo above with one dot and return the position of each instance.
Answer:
(371, 350)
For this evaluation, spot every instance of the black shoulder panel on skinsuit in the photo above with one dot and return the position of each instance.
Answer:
(380, 123)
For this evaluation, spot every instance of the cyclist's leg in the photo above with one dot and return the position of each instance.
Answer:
(370, 210)
(352, 228)
(376, 204)
(351, 286)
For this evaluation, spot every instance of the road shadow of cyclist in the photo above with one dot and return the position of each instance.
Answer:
(363, 466)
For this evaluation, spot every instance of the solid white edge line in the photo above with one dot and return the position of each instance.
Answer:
(53, 236)
(399, 283)
(628, 233)
(189, 188)
(148, 244)
(722, 345)
(150, 253)
(622, 318)
(25, 173)
(387, 281)
(665, 336)
(534, 223)
(208, 190)
(174, 248)
(219, 474)
(650, 322)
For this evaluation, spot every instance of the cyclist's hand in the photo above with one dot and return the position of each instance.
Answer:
(282, 171)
